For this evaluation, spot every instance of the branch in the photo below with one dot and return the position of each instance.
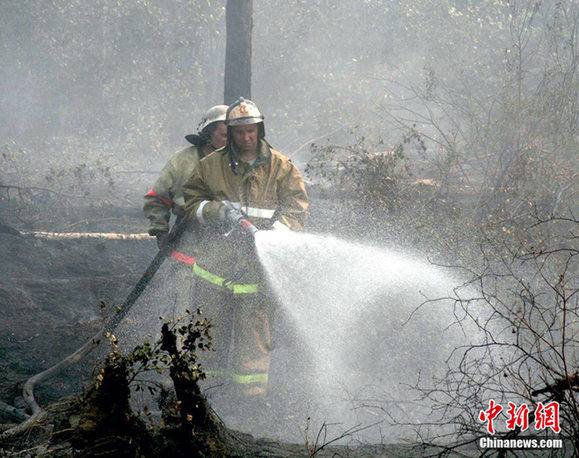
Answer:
(558, 387)
(36, 188)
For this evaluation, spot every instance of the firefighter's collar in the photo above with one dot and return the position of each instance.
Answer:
(263, 153)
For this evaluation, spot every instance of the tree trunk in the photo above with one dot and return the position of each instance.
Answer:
(239, 23)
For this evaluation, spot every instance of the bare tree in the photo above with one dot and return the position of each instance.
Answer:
(239, 22)
(524, 298)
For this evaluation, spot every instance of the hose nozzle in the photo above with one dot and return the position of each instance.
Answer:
(238, 220)
(248, 227)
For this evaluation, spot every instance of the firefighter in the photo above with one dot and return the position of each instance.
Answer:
(166, 195)
(250, 176)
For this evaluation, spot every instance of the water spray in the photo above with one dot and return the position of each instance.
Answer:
(364, 324)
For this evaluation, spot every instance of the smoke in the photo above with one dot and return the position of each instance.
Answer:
(136, 78)
(366, 324)
(122, 83)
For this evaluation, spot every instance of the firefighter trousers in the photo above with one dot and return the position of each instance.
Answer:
(240, 319)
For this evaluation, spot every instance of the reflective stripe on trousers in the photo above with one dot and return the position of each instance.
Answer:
(222, 282)
(249, 355)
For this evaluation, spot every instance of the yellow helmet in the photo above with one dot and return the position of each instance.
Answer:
(242, 112)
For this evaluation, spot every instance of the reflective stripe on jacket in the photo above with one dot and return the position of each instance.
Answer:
(271, 190)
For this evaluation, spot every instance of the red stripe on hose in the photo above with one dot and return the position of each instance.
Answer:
(190, 260)
(245, 224)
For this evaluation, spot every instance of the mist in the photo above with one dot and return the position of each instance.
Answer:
(443, 131)
(133, 79)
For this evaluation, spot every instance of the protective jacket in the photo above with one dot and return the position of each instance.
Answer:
(229, 286)
(270, 193)
(166, 195)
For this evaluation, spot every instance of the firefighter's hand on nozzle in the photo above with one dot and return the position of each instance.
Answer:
(234, 217)
(230, 218)
(222, 215)
(229, 214)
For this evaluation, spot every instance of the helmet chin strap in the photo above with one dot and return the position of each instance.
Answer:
(232, 161)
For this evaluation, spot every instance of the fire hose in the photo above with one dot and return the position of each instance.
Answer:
(28, 391)
(234, 217)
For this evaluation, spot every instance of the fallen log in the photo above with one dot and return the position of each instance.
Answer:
(86, 235)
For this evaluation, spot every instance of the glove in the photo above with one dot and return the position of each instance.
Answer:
(162, 240)
(230, 215)
(234, 217)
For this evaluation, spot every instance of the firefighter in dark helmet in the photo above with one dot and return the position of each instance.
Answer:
(166, 195)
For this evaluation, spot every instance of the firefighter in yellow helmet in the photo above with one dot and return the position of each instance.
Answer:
(250, 176)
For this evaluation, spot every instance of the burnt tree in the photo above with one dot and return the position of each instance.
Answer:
(239, 23)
